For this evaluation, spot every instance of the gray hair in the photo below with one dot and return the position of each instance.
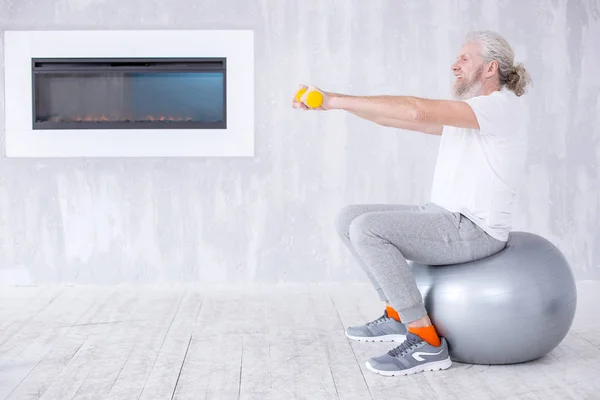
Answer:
(495, 48)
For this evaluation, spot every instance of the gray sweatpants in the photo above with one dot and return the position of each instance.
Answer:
(383, 237)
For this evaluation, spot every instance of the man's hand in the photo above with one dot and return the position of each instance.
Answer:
(296, 100)
(306, 95)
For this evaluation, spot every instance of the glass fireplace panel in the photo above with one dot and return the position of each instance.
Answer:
(129, 94)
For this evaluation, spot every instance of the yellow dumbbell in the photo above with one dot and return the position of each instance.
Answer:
(314, 99)
(300, 93)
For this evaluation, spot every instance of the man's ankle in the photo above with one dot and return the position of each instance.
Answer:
(425, 330)
(421, 322)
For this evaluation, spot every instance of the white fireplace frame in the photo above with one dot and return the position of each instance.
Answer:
(237, 140)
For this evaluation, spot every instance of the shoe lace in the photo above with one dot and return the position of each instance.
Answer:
(410, 342)
(383, 318)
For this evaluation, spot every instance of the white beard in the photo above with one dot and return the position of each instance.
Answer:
(469, 89)
(474, 89)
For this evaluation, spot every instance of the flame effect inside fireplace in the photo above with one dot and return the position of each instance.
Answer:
(104, 118)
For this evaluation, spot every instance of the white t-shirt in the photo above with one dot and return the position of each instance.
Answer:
(479, 171)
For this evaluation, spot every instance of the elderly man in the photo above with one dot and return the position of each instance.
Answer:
(479, 168)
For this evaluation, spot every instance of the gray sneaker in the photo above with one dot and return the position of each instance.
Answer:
(412, 356)
(383, 329)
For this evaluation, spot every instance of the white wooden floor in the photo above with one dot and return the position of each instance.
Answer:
(262, 343)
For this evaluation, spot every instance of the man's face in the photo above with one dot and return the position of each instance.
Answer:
(468, 70)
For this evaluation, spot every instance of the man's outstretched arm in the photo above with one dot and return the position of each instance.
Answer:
(407, 109)
(431, 129)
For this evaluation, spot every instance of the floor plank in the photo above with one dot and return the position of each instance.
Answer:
(44, 344)
(121, 328)
(171, 358)
(18, 311)
(144, 343)
(212, 368)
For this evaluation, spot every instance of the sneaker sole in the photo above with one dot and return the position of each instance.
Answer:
(432, 366)
(385, 338)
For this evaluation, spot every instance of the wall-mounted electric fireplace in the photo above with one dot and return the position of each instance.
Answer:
(129, 93)
(99, 93)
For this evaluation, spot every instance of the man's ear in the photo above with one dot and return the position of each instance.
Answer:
(491, 69)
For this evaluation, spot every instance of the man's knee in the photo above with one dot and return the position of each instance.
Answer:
(362, 227)
(344, 219)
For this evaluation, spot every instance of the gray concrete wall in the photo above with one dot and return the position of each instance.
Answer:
(269, 218)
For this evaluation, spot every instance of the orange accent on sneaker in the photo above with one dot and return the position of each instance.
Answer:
(427, 333)
(392, 313)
